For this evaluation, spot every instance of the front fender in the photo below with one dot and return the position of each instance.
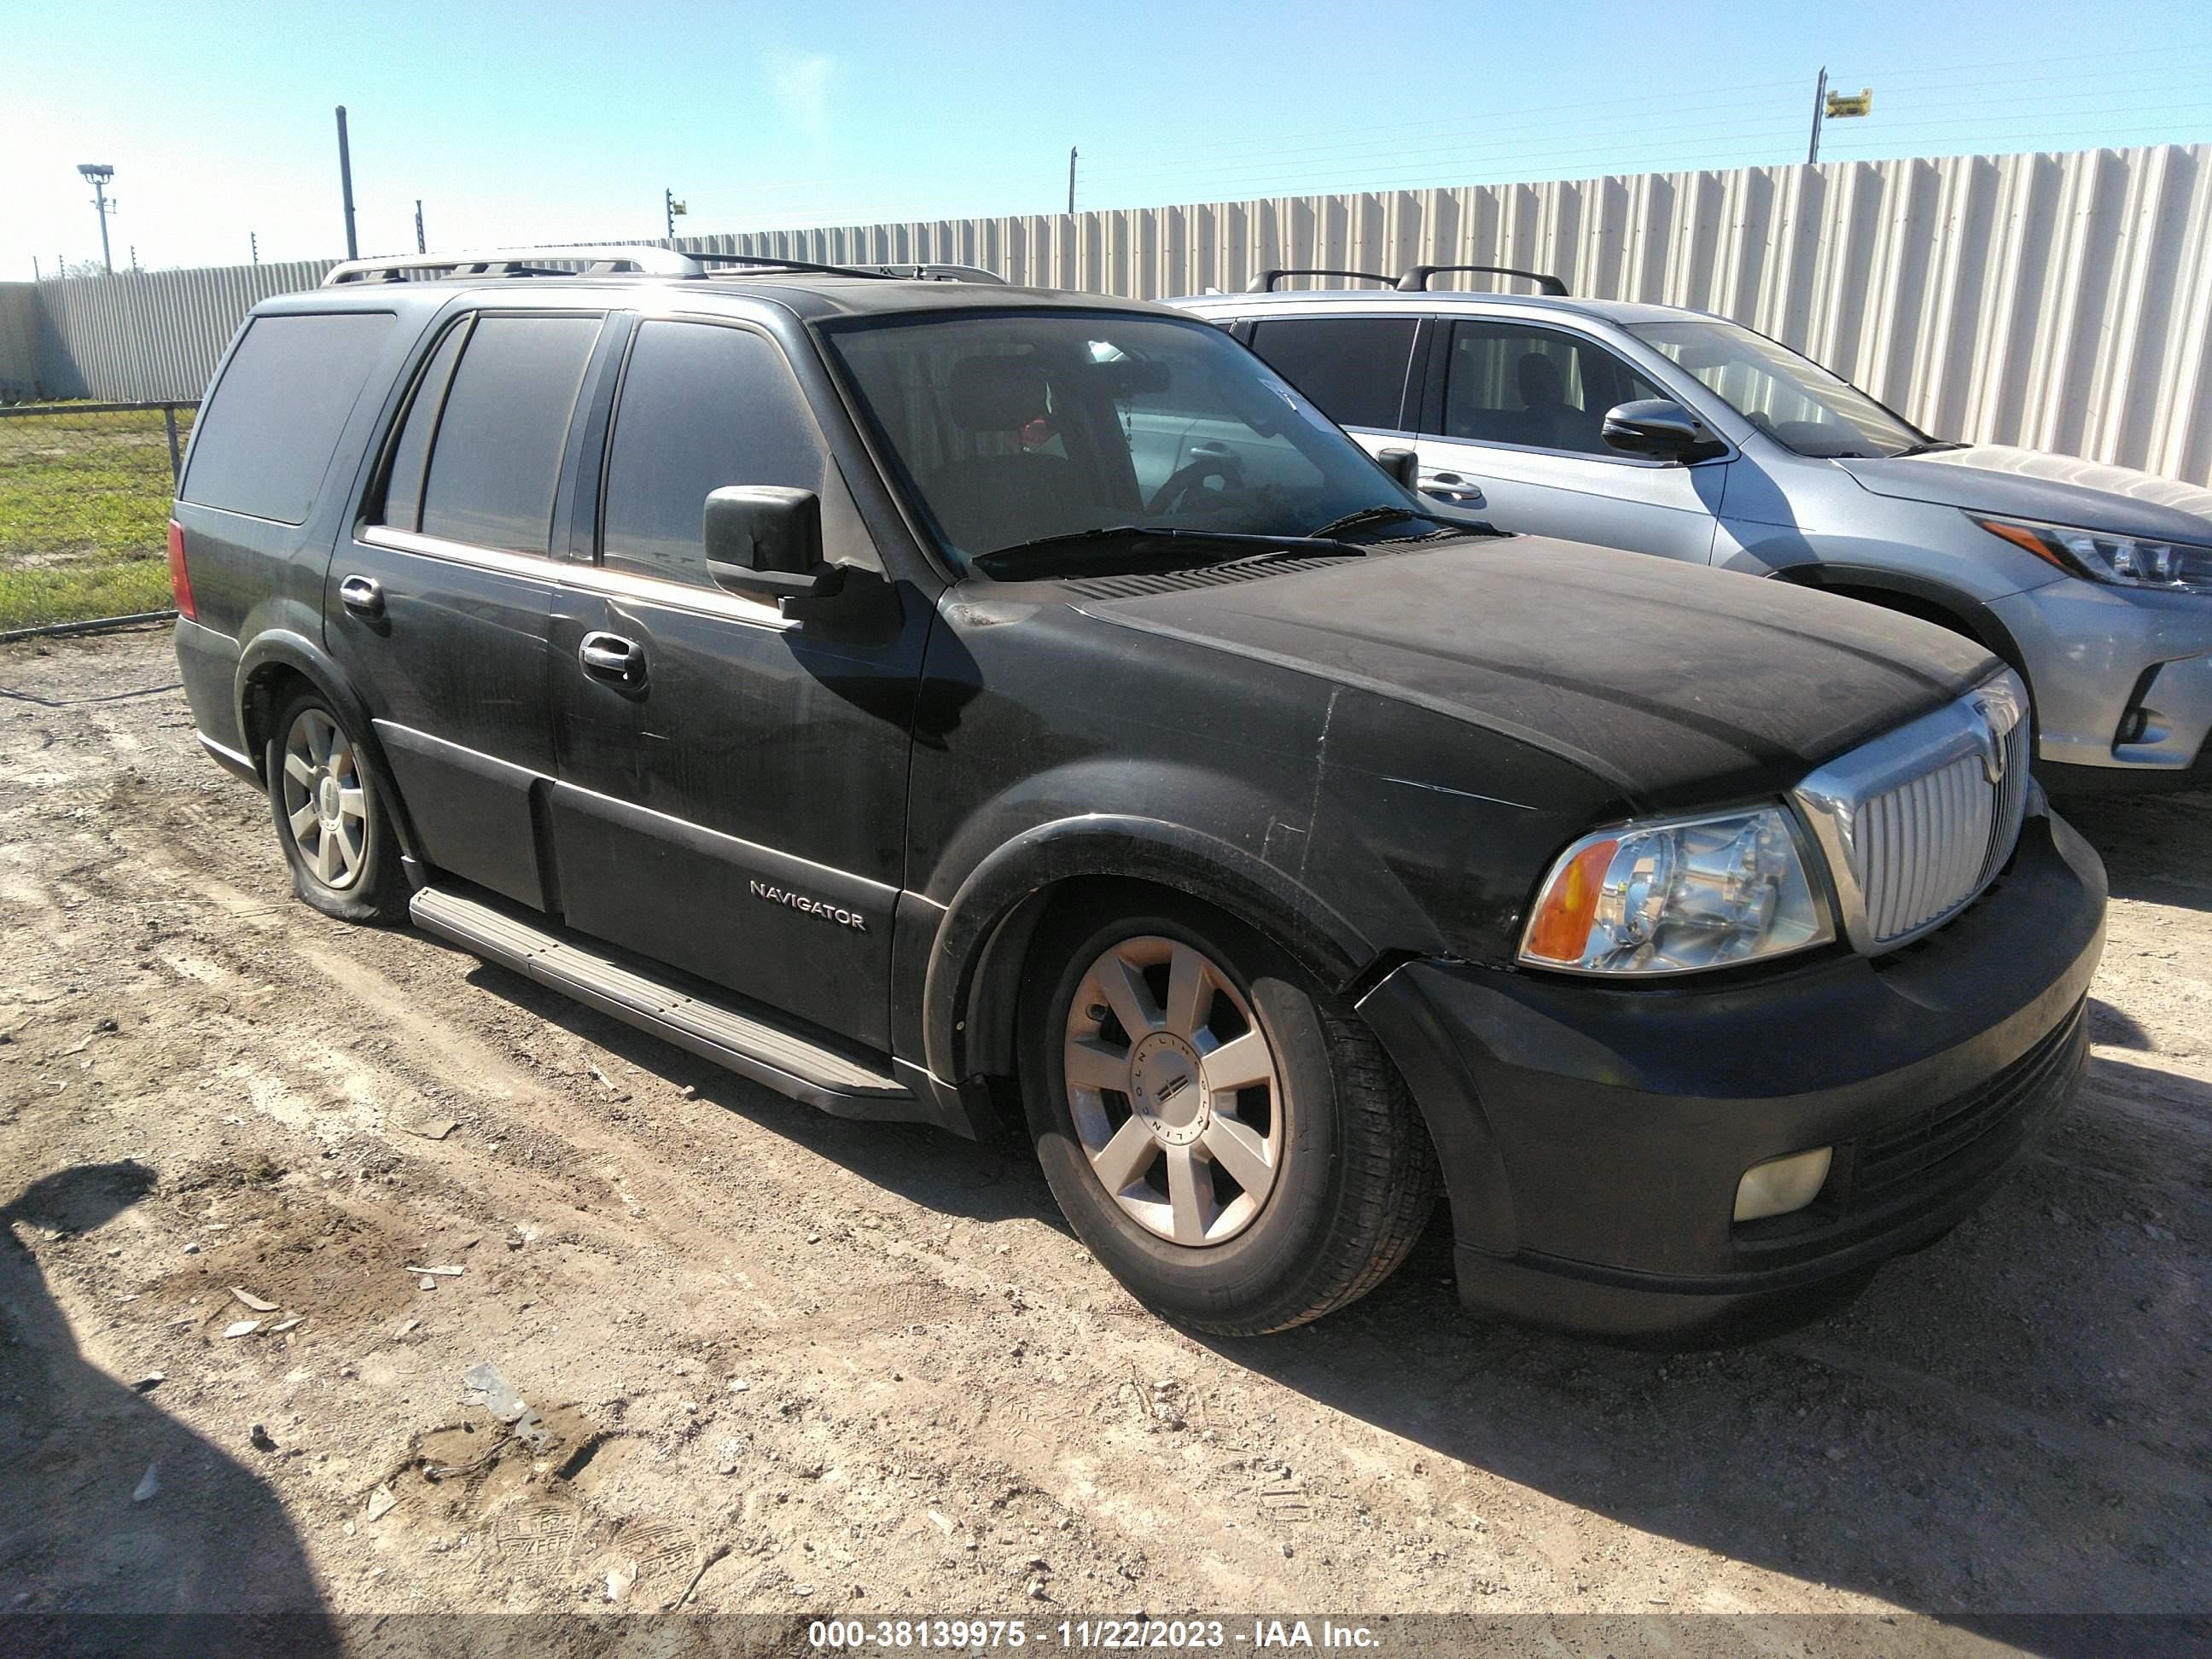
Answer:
(966, 973)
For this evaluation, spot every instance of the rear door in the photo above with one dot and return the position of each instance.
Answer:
(1518, 407)
(440, 594)
(1364, 373)
(734, 801)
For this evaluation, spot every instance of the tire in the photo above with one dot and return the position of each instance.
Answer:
(1338, 1175)
(331, 807)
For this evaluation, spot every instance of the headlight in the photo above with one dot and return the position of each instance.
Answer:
(1677, 895)
(2128, 561)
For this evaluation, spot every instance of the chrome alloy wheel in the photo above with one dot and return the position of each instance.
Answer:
(326, 802)
(1174, 1091)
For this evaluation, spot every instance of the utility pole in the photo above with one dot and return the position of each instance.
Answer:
(668, 201)
(419, 248)
(345, 185)
(1070, 179)
(97, 173)
(1819, 108)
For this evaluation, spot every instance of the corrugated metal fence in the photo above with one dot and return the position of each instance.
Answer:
(2061, 301)
(139, 337)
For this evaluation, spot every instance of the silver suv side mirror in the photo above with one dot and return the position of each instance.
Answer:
(1660, 429)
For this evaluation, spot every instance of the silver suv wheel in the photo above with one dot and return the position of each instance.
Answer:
(326, 807)
(1174, 1091)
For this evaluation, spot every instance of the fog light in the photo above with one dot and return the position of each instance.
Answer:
(1782, 1184)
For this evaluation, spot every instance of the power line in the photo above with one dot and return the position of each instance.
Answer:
(1524, 131)
(1710, 137)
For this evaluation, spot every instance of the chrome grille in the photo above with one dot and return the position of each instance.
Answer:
(1918, 822)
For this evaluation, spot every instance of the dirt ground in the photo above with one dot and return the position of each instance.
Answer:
(865, 1369)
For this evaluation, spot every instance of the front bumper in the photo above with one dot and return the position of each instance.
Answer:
(1593, 1137)
(2096, 655)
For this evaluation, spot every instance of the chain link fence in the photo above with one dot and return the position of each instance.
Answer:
(84, 510)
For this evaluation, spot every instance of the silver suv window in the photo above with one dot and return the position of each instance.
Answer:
(1791, 399)
(1535, 387)
(1353, 366)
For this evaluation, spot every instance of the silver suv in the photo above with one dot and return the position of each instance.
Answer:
(1683, 434)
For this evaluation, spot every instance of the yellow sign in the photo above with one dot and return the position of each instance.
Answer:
(1841, 104)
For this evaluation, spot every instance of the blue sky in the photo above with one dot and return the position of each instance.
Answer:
(536, 123)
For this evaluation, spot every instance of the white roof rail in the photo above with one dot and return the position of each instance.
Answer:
(596, 259)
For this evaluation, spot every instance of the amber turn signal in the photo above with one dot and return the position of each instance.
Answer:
(1560, 929)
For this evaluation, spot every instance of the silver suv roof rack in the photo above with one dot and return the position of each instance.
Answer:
(1266, 280)
(1415, 279)
(616, 259)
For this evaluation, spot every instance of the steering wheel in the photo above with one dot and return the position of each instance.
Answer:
(1167, 501)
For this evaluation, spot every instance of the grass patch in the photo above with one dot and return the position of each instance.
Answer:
(84, 513)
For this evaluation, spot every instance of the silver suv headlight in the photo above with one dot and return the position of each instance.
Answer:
(1672, 895)
(2124, 561)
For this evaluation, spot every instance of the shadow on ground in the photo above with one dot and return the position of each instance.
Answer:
(107, 1504)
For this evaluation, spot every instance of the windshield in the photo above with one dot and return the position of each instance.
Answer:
(1047, 426)
(1790, 397)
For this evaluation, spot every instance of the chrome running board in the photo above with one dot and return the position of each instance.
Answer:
(746, 1043)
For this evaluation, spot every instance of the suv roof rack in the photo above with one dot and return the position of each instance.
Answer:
(595, 260)
(615, 259)
(1415, 279)
(1266, 280)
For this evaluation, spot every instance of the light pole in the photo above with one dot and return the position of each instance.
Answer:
(98, 172)
(345, 184)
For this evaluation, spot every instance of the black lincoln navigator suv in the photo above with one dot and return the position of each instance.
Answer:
(920, 694)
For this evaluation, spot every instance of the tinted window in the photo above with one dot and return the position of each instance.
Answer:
(403, 487)
(702, 407)
(1510, 385)
(274, 418)
(1043, 423)
(1353, 366)
(497, 460)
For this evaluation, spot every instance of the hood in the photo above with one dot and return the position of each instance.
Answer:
(1676, 684)
(2027, 484)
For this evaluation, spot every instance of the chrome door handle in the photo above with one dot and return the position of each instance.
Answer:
(1452, 486)
(363, 595)
(610, 657)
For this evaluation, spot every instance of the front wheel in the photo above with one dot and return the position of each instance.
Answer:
(1225, 1135)
(333, 818)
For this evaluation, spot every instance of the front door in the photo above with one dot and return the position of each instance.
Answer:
(438, 597)
(1520, 414)
(731, 794)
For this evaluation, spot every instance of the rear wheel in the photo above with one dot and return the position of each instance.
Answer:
(332, 816)
(1224, 1134)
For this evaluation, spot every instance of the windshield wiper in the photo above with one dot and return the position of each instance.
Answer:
(1353, 520)
(1929, 446)
(1032, 557)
